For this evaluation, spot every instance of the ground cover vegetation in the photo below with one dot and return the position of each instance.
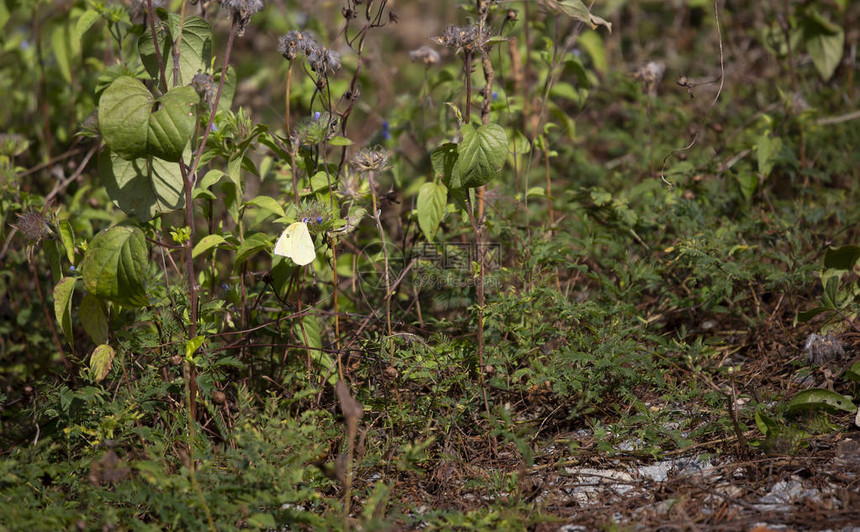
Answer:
(357, 264)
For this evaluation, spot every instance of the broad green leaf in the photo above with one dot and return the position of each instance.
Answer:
(85, 22)
(806, 315)
(192, 345)
(206, 243)
(432, 199)
(830, 297)
(766, 425)
(62, 47)
(171, 126)
(444, 160)
(824, 41)
(267, 203)
(253, 244)
(124, 110)
(767, 150)
(853, 373)
(820, 399)
(67, 235)
(228, 90)
(4, 14)
(101, 361)
(63, 292)
(143, 188)
(52, 254)
(113, 266)
(307, 332)
(577, 10)
(340, 141)
(195, 49)
(594, 47)
(841, 258)
(748, 182)
(93, 315)
(481, 154)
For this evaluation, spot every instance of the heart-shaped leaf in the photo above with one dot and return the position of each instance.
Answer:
(195, 49)
(132, 130)
(63, 292)
(124, 110)
(101, 361)
(432, 199)
(170, 127)
(94, 318)
(113, 266)
(143, 188)
(481, 154)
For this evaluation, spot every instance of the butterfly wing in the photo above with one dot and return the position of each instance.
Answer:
(296, 243)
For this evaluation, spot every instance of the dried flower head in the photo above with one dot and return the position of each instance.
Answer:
(425, 55)
(467, 38)
(33, 226)
(650, 75)
(242, 11)
(822, 349)
(322, 60)
(205, 87)
(371, 160)
(294, 43)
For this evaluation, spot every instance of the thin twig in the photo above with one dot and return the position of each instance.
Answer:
(710, 108)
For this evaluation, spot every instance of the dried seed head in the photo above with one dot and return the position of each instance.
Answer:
(467, 38)
(322, 60)
(650, 75)
(242, 11)
(373, 160)
(425, 55)
(294, 43)
(822, 349)
(205, 87)
(33, 226)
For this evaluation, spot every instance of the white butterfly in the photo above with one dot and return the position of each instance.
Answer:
(296, 243)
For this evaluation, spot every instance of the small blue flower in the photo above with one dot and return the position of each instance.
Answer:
(316, 115)
(306, 219)
(386, 132)
(213, 128)
(319, 219)
(225, 286)
(25, 44)
(495, 95)
(72, 269)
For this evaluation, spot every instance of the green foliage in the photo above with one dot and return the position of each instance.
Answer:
(496, 264)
